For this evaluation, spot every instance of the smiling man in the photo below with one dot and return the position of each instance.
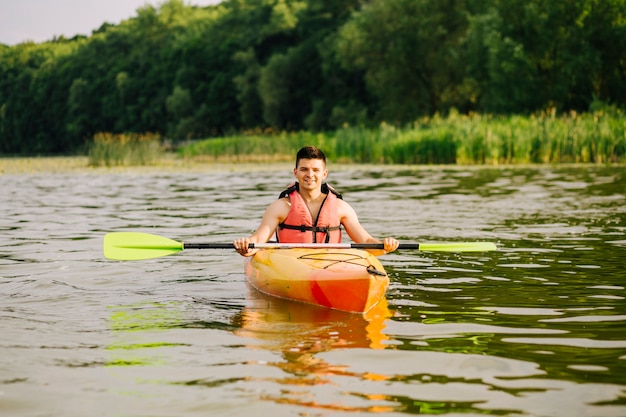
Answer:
(310, 211)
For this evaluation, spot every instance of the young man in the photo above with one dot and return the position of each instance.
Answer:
(310, 211)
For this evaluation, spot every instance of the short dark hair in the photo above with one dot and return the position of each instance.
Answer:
(310, 152)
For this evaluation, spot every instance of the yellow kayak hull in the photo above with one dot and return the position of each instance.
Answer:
(349, 279)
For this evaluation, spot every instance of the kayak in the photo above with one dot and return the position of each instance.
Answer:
(350, 280)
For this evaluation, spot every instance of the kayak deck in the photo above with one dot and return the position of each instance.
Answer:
(349, 280)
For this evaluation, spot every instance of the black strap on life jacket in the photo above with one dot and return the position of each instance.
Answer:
(296, 186)
(315, 229)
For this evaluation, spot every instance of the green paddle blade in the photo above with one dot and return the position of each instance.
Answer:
(458, 247)
(131, 246)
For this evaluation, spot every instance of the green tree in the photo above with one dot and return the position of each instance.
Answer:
(409, 50)
(190, 72)
(527, 55)
(250, 104)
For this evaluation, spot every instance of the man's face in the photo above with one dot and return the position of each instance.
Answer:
(310, 173)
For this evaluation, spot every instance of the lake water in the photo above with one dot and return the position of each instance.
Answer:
(537, 328)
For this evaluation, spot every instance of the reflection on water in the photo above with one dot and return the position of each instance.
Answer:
(300, 332)
(131, 324)
(534, 329)
(297, 327)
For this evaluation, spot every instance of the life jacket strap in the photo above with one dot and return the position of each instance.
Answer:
(314, 229)
(303, 228)
(296, 186)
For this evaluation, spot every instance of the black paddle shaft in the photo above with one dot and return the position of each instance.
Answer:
(278, 245)
(209, 246)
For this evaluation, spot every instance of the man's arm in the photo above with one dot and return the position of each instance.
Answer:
(273, 216)
(357, 232)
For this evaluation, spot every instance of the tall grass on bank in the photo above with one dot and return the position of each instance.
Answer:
(255, 147)
(108, 149)
(464, 139)
(541, 138)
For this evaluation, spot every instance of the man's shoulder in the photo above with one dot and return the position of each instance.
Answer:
(343, 208)
(281, 204)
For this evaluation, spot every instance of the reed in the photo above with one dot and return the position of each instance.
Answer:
(254, 146)
(545, 137)
(108, 149)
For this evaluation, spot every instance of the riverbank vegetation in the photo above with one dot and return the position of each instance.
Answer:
(108, 149)
(598, 137)
(385, 68)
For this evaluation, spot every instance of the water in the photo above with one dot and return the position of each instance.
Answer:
(535, 329)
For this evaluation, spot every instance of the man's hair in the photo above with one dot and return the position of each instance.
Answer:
(310, 152)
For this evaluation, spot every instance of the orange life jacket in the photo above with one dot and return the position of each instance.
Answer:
(299, 226)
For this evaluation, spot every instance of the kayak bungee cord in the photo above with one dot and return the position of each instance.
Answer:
(331, 262)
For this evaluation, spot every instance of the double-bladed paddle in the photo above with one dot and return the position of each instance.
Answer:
(131, 246)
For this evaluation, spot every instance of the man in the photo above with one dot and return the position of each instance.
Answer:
(310, 211)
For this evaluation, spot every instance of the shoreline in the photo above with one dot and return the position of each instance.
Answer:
(80, 164)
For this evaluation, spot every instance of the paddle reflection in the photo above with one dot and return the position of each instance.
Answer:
(137, 331)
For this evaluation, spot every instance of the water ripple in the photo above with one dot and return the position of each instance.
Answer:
(533, 329)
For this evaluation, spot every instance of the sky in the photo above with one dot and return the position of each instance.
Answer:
(41, 20)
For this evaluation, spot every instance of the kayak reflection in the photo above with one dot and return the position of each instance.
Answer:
(300, 330)
(293, 326)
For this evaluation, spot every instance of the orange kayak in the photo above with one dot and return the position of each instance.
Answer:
(348, 279)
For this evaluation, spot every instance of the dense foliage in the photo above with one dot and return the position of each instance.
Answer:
(185, 72)
(542, 138)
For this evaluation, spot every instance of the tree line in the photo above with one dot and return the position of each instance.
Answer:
(186, 72)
